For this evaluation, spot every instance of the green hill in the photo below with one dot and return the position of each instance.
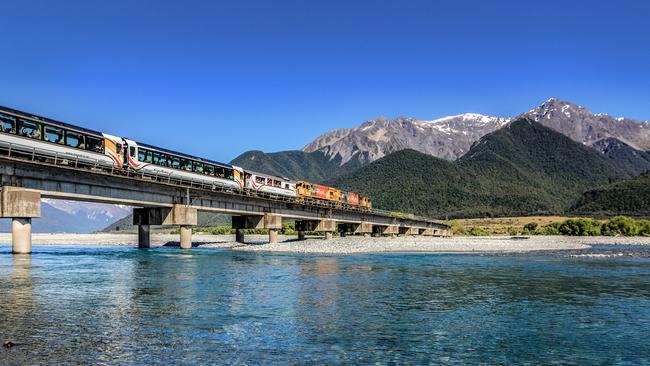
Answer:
(629, 197)
(522, 169)
(294, 164)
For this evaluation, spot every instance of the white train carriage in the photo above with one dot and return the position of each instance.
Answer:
(264, 183)
(25, 134)
(162, 163)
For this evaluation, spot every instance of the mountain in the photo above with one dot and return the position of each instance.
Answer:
(628, 197)
(523, 168)
(450, 138)
(59, 216)
(587, 128)
(204, 219)
(625, 156)
(447, 138)
(295, 164)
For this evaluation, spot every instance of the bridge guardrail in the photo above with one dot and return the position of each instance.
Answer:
(28, 153)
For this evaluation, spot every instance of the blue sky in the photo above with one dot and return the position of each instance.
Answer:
(218, 78)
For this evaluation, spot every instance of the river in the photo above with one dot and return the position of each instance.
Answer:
(120, 305)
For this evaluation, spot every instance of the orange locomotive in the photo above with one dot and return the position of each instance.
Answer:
(320, 192)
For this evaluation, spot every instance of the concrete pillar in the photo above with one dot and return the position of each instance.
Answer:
(344, 234)
(273, 235)
(144, 237)
(239, 235)
(21, 235)
(301, 235)
(186, 237)
(328, 235)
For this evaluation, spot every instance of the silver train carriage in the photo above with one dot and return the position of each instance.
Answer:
(163, 163)
(25, 134)
(265, 183)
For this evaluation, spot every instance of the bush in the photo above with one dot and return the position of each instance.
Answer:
(477, 231)
(621, 225)
(550, 229)
(530, 228)
(289, 228)
(580, 227)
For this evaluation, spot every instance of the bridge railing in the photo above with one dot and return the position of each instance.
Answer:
(26, 152)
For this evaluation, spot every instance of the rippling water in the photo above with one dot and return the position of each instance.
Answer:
(101, 305)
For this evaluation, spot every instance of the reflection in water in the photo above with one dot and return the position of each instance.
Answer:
(162, 306)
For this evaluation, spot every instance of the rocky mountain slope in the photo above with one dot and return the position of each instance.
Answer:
(522, 169)
(447, 138)
(451, 137)
(582, 126)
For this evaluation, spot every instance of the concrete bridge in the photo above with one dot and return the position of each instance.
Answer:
(25, 181)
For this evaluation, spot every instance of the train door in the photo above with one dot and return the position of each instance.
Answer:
(238, 176)
(132, 154)
(114, 148)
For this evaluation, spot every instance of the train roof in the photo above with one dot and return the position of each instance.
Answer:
(172, 152)
(51, 121)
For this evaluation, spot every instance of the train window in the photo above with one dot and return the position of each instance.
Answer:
(269, 182)
(229, 174)
(141, 155)
(286, 186)
(8, 123)
(53, 134)
(132, 151)
(276, 183)
(186, 165)
(156, 158)
(219, 172)
(198, 167)
(162, 160)
(95, 144)
(259, 180)
(74, 139)
(148, 156)
(209, 169)
(174, 162)
(29, 129)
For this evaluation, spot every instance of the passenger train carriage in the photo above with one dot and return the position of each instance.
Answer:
(26, 135)
(162, 163)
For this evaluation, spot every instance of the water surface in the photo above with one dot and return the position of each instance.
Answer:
(119, 305)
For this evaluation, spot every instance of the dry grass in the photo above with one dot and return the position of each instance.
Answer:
(507, 225)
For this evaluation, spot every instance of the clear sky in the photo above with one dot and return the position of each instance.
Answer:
(217, 78)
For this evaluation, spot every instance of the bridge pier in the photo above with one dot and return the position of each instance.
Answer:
(268, 221)
(390, 230)
(239, 235)
(144, 237)
(328, 226)
(186, 237)
(182, 215)
(301, 234)
(21, 205)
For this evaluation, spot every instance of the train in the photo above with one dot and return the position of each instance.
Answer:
(27, 135)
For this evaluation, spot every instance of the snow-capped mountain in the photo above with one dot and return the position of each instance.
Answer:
(450, 137)
(582, 126)
(447, 138)
(73, 217)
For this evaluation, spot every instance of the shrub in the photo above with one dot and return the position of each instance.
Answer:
(477, 231)
(621, 225)
(530, 228)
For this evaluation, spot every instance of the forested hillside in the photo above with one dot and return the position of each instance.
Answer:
(629, 197)
(522, 169)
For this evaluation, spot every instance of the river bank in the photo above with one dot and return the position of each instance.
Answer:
(347, 245)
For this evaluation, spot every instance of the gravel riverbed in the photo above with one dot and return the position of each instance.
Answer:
(347, 245)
